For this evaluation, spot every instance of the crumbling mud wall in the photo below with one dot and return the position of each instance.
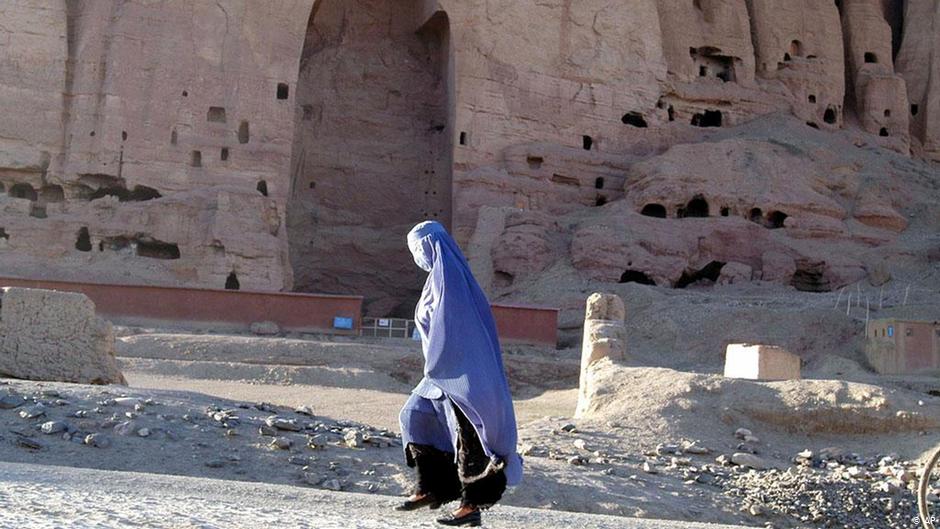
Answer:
(51, 335)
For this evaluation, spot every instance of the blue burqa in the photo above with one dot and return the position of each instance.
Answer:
(463, 363)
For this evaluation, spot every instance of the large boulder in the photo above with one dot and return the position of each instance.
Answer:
(51, 335)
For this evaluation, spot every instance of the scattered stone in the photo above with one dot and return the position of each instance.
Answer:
(304, 410)
(28, 443)
(741, 433)
(53, 427)
(281, 423)
(750, 461)
(317, 441)
(666, 449)
(31, 412)
(129, 402)
(267, 431)
(649, 468)
(11, 400)
(353, 439)
(579, 444)
(282, 443)
(125, 428)
(97, 440)
(332, 484)
(568, 427)
(695, 448)
(143, 432)
(576, 460)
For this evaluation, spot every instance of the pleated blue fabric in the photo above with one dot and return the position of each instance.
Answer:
(462, 358)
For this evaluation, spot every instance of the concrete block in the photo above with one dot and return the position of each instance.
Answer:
(761, 362)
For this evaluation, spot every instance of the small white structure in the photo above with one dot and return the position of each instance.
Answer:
(761, 362)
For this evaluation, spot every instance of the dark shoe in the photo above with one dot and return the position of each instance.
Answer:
(427, 501)
(474, 519)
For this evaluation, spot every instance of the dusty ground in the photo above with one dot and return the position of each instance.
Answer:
(45, 497)
(631, 457)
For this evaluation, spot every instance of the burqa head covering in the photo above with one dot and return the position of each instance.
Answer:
(461, 347)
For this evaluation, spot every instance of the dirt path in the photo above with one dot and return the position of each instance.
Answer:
(375, 407)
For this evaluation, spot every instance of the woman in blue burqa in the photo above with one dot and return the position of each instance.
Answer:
(458, 427)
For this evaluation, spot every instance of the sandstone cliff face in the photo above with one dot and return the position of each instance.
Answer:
(290, 145)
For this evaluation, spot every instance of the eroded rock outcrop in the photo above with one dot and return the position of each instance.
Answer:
(266, 146)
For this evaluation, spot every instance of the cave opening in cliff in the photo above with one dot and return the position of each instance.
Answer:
(216, 115)
(725, 211)
(223, 154)
(709, 272)
(697, 207)
(870, 58)
(776, 219)
(914, 109)
(155, 249)
(599, 182)
(118, 190)
(635, 276)
(23, 190)
(711, 62)
(381, 74)
(244, 133)
(654, 210)
(83, 241)
(262, 187)
(810, 276)
(283, 91)
(756, 215)
(796, 48)
(600, 200)
(634, 119)
(231, 282)
(830, 115)
(52, 193)
(708, 118)
(883, 132)
(587, 142)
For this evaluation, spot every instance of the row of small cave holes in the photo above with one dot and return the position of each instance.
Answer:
(698, 207)
(156, 250)
(217, 115)
(55, 193)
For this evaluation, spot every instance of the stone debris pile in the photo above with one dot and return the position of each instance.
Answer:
(246, 439)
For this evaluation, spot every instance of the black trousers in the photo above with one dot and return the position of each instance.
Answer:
(475, 479)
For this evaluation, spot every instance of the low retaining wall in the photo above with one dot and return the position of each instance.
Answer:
(238, 309)
(233, 309)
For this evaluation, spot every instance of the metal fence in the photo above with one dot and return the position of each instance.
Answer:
(388, 327)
